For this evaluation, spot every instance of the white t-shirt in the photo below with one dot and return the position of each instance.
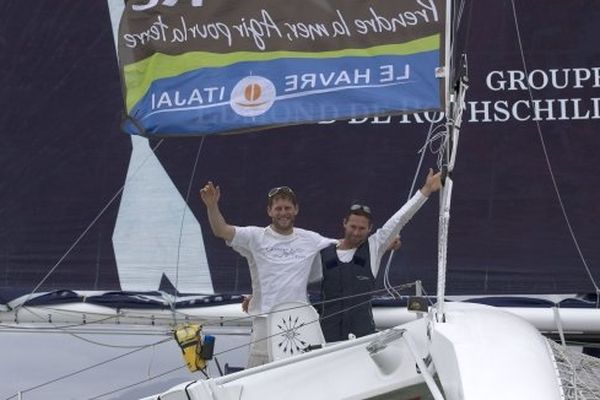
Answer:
(380, 240)
(279, 264)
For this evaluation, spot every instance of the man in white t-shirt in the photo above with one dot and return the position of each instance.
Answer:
(280, 257)
(348, 269)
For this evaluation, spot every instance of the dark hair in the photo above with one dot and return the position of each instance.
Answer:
(282, 192)
(361, 210)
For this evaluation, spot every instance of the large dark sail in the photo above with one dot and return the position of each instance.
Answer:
(65, 158)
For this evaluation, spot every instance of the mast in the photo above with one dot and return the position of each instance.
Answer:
(454, 106)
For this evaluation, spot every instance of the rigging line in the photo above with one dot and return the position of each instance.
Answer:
(181, 367)
(386, 274)
(573, 342)
(106, 316)
(225, 321)
(43, 319)
(429, 299)
(549, 165)
(458, 18)
(138, 383)
(137, 317)
(215, 321)
(467, 30)
(291, 329)
(440, 131)
(89, 367)
(185, 207)
(102, 211)
(151, 361)
(86, 340)
(444, 133)
(56, 308)
(99, 321)
(443, 137)
(459, 14)
(112, 346)
(113, 332)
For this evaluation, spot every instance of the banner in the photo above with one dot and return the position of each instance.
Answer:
(205, 67)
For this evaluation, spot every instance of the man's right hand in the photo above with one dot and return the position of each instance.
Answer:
(210, 195)
(246, 303)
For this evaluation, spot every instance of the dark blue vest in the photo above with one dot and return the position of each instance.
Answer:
(340, 280)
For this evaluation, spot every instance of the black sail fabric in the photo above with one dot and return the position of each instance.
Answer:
(64, 158)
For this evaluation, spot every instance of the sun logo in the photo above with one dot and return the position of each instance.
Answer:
(290, 339)
(252, 92)
(252, 96)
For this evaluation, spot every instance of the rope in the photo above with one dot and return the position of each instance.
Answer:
(440, 133)
(559, 325)
(142, 347)
(399, 287)
(88, 368)
(215, 321)
(549, 165)
(235, 347)
(63, 330)
(85, 231)
(291, 329)
(386, 275)
(185, 207)
(138, 383)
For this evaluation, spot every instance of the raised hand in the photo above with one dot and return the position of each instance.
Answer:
(210, 194)
(395, 244)
(433, 183)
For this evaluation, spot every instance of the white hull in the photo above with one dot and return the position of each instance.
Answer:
(47, 342)
(479, 353)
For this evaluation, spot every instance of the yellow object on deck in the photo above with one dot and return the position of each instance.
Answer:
(189, 339)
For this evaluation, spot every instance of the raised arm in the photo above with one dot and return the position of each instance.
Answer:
(386, 235)
(210, 195)
(382, 239)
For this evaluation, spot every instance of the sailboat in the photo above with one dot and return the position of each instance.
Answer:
(120, 253)
(454, 344)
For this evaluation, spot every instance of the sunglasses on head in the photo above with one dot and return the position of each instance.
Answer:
(360, 207)
(280, 189)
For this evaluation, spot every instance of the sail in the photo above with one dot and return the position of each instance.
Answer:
(65, 164)
(65, 159)
(194, 68)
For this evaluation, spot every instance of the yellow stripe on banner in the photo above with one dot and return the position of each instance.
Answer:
(139, 75)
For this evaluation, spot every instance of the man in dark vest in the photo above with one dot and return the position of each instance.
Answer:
(349, 267)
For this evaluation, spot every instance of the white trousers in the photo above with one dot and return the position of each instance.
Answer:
(259, 353)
